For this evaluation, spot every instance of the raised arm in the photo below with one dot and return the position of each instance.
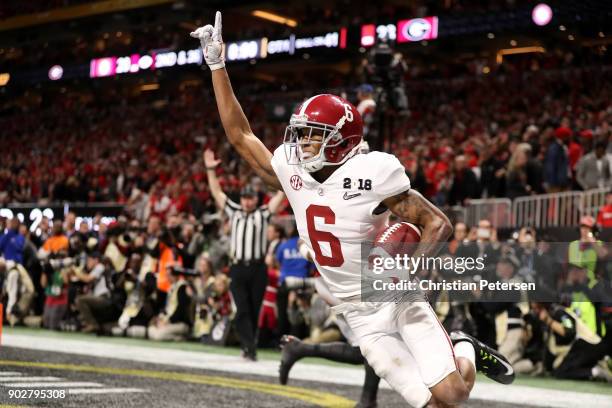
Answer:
(412, 207)
(276, 202)
(234, 121)
(215, 188)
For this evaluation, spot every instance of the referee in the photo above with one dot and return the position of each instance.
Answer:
(248, 271)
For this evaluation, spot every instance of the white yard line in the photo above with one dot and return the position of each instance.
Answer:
(349, 375)
(9, 373)
(59, 384)
(15, 379)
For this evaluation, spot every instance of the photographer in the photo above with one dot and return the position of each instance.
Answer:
(19, 290)
(95, 308)
(148, 245)
(33, 266)
(183, 243)
(572, 349)
(586, 251)
(507, 308)
(537, 263)
(116, 250)
(205, 277)
(311, 317)
(215, 305)
(175, 321)
(57, 242)
(298, 305)
(54, 280)
(200, 242)
(140, 307)
(291, 263)
(577, 291)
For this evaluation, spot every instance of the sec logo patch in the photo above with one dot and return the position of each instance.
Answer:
(296, 182)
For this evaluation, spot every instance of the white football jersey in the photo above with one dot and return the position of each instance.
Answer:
(335, 217)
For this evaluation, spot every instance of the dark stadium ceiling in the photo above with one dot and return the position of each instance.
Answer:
(471, 18)
(472, 31)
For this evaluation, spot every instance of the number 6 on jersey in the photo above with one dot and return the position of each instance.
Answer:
(316, 237)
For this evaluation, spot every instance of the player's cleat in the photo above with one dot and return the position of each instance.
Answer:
(488, 361)
(290, 354)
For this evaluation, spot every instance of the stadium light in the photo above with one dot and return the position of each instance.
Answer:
(520, 50)
(4, 78)
(56, 72)
(149, 87)
(541, 14)
(266, 15)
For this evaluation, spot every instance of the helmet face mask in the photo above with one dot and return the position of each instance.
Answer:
(300, 135)
(339, 133)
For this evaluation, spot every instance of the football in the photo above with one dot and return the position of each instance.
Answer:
(398, 238)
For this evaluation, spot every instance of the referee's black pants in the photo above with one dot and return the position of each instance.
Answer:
(248, 286)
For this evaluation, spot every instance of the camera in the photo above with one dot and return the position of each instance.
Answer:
(62, 263)
(179, 270)
(295, 283)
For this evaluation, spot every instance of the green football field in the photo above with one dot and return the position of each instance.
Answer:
(110, 371)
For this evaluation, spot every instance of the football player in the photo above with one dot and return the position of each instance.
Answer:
(340, 200)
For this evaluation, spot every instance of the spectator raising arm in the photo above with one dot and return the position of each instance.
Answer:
(276, 202)
(215, 188)
(234, 121)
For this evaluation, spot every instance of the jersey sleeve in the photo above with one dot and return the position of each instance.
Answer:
(279, 162)
(265, 212)
(391, 178)
(231, 207)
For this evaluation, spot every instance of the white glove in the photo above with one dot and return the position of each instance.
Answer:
(212, 43)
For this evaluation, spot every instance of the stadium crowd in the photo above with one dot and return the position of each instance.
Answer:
(537, 135)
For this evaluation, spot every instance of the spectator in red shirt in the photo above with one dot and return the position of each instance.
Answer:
(604, 216)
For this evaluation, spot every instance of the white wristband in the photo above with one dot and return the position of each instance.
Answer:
(218, 65)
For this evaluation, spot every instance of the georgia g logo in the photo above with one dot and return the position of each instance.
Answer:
(296, 182)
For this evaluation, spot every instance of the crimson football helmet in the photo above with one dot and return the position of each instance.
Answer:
(331, 116)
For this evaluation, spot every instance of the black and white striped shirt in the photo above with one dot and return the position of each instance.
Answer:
(248, 239)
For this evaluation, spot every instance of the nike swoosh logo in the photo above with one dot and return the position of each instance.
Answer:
(509, 369)
(348, 196)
